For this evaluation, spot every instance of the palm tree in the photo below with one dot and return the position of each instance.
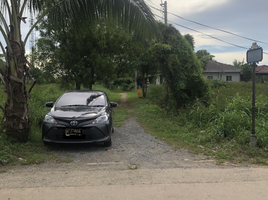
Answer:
(239, 64)
(132, 14)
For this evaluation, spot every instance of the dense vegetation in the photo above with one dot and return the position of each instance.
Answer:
(111, 55)
(69, 18)
(220, 128)
(186, 109)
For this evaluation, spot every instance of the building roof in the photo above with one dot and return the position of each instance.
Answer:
(262, 69)
(214, 66)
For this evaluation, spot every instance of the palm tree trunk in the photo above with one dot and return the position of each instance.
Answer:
(16, 120)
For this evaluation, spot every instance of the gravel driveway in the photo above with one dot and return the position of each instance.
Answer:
(132, 148)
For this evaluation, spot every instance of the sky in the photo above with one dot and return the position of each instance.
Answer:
(246, 18)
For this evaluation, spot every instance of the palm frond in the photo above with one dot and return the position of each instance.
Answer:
(134, 15)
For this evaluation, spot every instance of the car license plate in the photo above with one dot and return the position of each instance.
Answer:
(73, 132)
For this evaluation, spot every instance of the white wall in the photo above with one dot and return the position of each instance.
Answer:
(222, 75)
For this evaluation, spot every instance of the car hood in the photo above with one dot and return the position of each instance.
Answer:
(76, 113)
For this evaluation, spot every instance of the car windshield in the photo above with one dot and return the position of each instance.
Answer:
(81, 99)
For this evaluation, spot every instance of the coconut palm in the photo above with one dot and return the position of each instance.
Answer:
(132, 14)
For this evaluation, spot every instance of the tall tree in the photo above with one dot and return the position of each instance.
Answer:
(133, 14)
(180, 68)
(204, 56)
(190, 39)
(84, 57)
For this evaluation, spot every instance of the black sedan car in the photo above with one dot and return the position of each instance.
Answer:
(80, 116)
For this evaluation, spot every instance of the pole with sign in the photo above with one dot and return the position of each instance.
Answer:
(254, 55)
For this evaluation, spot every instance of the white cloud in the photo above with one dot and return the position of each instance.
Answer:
(244, 18)
(229, 57)
(190, 6)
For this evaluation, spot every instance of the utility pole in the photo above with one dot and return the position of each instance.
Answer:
(165, 10)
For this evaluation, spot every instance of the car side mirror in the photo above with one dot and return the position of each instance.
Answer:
(49, 104)
(113, 104)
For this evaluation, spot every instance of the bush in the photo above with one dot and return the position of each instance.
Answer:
(37, 110)
(156, 94)
(216, 84)
(126, 83)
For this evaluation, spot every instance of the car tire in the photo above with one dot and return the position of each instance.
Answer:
(108, 143)
(48, 144)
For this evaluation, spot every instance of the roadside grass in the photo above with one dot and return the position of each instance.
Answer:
(121, 115)
(220, 130)
(34, 151)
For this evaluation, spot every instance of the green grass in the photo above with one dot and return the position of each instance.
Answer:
(220, 130)
(121, 115)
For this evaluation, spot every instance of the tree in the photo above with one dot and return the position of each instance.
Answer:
(41, 76)
(145, 66)
(98, 52)
(2, 67)
(246, 69)
(190, 39)
(237, 63)
(204, 56)
(180, 68)
(131, 13)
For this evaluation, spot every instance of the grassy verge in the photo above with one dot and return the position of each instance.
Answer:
(220, 130)
(34, 151)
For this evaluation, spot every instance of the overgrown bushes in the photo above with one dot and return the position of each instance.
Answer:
(231, 121)
(180, 68)
(125, 83)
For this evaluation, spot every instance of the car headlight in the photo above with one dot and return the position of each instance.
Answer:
(50, 119)
(102, 118)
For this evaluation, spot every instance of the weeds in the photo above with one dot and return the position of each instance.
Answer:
(222, 127)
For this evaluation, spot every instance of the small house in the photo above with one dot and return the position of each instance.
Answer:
(262, 73)
(220, 71)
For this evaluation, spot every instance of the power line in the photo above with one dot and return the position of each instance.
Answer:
(219, 29)
(228, 32)
(162, 10)
(209, 35)
(149, 2)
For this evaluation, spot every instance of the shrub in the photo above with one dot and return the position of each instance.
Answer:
(126, 83)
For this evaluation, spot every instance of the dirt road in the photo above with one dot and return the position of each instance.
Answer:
(136, 167)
